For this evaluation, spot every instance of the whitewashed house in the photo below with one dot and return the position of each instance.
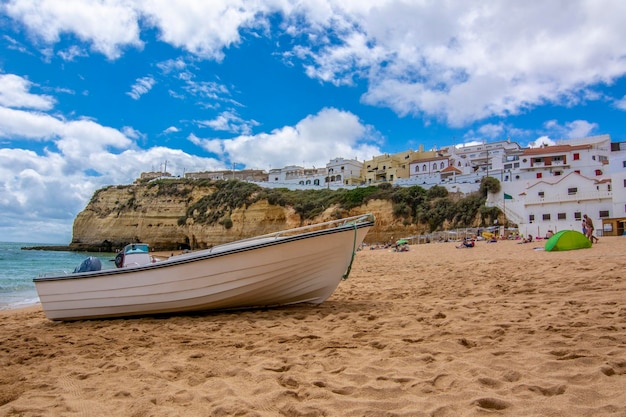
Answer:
(551, 187)
(341, 171)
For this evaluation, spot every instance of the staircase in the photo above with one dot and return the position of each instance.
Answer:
(510, 214)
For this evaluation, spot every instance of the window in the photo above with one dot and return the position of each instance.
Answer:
(598, 172)
(623, 164)
(541, 194)
(417, 168)
(561, 216)
(576, 156)
(546, 217)
(539, 175)
(424, 167)
(531, 218)
(516, 165)
(508, 166)
(441, 165)
(604, 213)
(578, 215)
(557, 173)
(577, 171)
(572, 191)
(434, 167)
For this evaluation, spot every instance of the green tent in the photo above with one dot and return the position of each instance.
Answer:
(567, 240)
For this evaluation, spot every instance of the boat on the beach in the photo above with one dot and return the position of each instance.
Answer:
(301, 265)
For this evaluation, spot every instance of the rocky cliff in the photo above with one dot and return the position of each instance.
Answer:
(159, 214)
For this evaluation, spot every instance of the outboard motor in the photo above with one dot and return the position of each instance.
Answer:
(90, 264)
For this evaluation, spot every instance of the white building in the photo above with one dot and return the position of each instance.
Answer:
(294, 175)
(341, 171)
(464, 164)
(551, 187)
(617, 170)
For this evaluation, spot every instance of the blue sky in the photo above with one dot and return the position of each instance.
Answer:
(92, 93)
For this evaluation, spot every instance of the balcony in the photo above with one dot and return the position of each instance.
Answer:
(568, 198)
(543, 165)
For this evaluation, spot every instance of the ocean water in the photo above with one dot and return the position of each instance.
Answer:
(18, 268)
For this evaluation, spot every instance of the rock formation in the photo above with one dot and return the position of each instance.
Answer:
(158, 214)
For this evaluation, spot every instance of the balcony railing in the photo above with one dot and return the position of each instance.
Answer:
(536, 165)
(549, 199)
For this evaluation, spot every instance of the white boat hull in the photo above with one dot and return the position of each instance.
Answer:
(268, 271)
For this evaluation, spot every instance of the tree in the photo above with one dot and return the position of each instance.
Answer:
(489, 185)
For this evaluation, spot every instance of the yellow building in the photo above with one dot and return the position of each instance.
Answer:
(390, 167)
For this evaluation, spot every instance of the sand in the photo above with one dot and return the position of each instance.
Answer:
(499, 329)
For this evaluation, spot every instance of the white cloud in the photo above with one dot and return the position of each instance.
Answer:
(215, 146)
(229, 121)
(171, 65)
(570, 130)
(171, 129)
(542, 141)
(460, 62)
(27, 125)
(621, 104)
(71, 53)
(14, 92)
(555, 131)
(107, 25)
(201, 27)
(141, 87)
(455, 61)
(313, 140)
(43, 192)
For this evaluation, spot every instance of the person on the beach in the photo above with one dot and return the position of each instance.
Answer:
(527, 240)
(467, 243)
(590, 229)
(584, 226)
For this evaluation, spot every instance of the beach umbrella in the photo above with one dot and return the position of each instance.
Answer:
(402, 242)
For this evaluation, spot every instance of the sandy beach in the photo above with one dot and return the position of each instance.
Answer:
(498, 329)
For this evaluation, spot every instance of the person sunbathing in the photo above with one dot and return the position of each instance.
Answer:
(467, 243)
(527, 240)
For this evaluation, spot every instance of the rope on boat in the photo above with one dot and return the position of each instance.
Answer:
(347, 274)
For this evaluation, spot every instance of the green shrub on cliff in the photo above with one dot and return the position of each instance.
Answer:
(227, 196)
(414, 204)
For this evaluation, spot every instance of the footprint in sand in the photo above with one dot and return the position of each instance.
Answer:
(491, 403)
